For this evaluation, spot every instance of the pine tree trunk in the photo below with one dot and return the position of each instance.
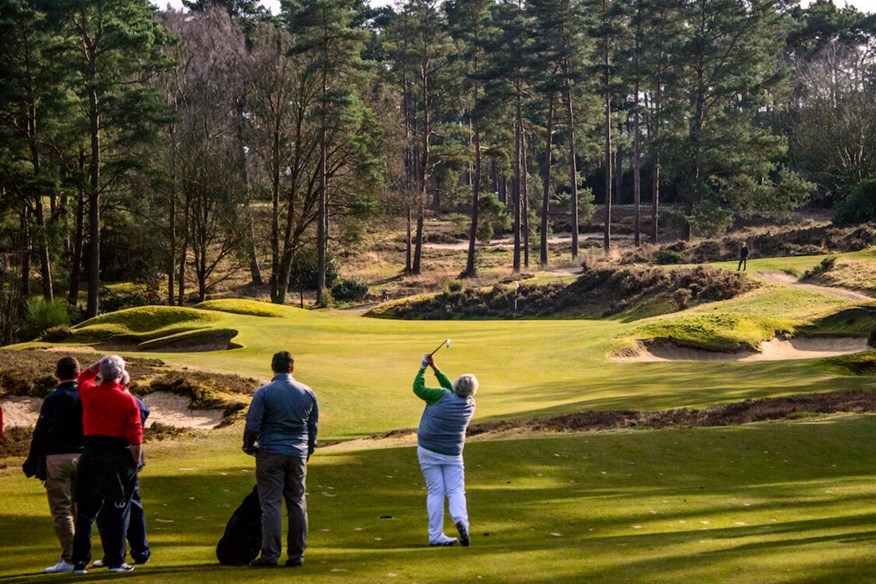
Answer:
(546, 180)
(518, 146)
(92, 306)
(606, 242)
(573, 169)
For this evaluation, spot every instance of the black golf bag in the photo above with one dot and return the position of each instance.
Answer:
(242, 539)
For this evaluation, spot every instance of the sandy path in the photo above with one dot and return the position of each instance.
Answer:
(789, 280)
(773, 350)
(507, 242)
(166, 408)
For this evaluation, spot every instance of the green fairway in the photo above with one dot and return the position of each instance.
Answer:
(782, 502)
(762, 503)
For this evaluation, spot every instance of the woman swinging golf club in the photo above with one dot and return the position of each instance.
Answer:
(440, 438)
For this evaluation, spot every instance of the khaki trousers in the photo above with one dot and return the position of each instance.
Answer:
(60, 476)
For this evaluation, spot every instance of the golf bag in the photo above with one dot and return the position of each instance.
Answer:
(242, 539)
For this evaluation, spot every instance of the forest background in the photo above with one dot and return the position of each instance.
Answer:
(180, 149)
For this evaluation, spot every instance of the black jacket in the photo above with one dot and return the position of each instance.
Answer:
(59, 427)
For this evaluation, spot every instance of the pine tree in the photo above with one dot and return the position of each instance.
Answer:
(114, 46)
(325, 34)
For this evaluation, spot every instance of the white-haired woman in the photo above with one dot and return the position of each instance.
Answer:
(440, 441)
(113, 433)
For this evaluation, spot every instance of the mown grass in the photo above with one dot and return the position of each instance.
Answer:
(766, 503)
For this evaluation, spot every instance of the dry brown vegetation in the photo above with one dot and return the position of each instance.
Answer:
(745, 412)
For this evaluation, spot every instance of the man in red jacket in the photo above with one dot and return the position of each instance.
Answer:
(113, 435)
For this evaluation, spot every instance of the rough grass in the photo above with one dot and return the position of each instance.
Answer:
(600, 291)
(852, 271)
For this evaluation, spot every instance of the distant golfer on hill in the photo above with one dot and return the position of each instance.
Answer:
(441, 438)
(743, 257)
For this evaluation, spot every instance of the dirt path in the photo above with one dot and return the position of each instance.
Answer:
(732, 414)
(789, 280)
(507, 242)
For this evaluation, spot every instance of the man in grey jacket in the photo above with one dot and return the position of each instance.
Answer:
(281, 427)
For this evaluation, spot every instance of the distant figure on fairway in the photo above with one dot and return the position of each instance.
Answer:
(54, 455)
(109, 461)
(743, 257)
(440, 441)
(281, 427)
(135, 518)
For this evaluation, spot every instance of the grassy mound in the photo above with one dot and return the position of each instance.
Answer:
(786, 241)
(250, 308)
(198, 340)
(638, 292)
(716, 332)
(856, 364)
(856, 321)
(853, 271)
(139, 324)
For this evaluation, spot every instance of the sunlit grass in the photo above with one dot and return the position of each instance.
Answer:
(759, 503)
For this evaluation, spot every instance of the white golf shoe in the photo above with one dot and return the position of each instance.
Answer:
(60, 567)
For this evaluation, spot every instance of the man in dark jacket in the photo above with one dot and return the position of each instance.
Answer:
(743, 257)
(54, 454)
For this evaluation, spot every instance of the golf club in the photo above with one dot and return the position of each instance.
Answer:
(446, 343)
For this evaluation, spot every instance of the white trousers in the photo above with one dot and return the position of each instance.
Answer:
(445, 477)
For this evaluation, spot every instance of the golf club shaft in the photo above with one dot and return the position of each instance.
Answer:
(439, 348)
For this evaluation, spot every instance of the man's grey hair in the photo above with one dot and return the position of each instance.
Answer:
(111, 368)
(466, 385)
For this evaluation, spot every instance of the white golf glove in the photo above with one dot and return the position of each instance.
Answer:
(424, 363)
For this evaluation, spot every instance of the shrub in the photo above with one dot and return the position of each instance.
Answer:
(349, 290)
(43, 314)
(871, 339)
(454, 286)
(826, 265)
(55, 334)
(115, 302)
(326, 300)
(304, 270)
(707, 251)
(681, 297)
(667, 256)
(859, 206)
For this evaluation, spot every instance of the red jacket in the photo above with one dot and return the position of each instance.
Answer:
(108, 410)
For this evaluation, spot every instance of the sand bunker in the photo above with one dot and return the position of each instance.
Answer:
(166, 408)
(773, 350)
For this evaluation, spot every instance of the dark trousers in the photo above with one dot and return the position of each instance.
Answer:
(280, 477)
(743, 263)
(103, 488)
(135, 526)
